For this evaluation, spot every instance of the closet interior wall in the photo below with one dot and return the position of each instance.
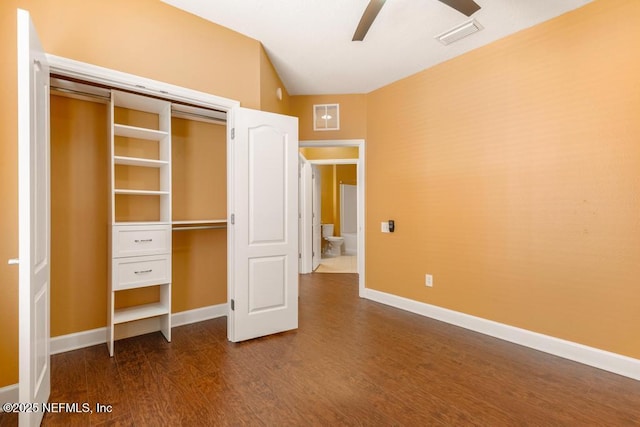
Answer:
(80, 221)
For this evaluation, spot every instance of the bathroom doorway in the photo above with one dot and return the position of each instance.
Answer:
(333, 158)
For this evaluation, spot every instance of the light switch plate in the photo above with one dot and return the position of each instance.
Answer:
(384, 226)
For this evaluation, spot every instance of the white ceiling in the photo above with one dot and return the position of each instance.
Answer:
(309, 41)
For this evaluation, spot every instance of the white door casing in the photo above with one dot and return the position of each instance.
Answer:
(305, 239)
(316, 179)
(34, 221)
(263, 207)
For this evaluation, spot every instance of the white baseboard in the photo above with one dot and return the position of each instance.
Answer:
(612, 362)
(198, 315)
(8, 394)
(83, 339)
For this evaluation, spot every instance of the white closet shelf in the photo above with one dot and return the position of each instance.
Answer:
(138, 223)
(139, 312)
(199, 221)
(139, 133)
(136, 161)
(140, 192)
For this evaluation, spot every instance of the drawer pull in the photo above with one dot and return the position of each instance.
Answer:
(143, 240)
(143, 271)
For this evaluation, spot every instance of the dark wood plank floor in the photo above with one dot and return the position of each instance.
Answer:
(351, 362)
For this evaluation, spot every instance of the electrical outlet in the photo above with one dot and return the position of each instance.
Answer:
(428, 280)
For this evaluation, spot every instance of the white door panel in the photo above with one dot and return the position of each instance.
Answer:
(263, 241)
(34, 220)
(267, 185)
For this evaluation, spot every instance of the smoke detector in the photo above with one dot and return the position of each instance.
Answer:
(459, 32)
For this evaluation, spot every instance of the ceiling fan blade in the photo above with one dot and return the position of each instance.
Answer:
(468, 7)
(367, 19)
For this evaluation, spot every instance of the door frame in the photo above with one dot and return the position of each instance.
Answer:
(304, 207)
(360, 166)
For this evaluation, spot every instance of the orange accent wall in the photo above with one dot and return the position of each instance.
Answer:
(513, 175)
(353, 116)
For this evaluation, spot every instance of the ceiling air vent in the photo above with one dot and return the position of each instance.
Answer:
(459, 32)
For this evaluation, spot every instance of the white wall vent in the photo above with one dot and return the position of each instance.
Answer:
(459, 32)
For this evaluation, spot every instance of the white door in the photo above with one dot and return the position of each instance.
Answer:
(34, 220)
(317, 216)
(263, 229)
(305, 246)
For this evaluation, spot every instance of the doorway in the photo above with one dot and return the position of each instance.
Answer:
(327, 154)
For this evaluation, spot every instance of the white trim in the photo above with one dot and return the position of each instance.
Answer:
(9, 394)
(305, 214)
(96, 74)
(608, 361)
(198, 315)
(64, 343)
(334, 162)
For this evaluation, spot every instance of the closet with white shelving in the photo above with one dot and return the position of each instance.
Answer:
(160, 247)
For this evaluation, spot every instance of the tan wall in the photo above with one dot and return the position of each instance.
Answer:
(199, 191)
(269, 83)
(144, 37)
(79, 215)
(353, 116)
(512, 173)
(318, 153)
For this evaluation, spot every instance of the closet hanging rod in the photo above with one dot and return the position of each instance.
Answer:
(98, 86)
(79, 92)
(199, 227)
(181, 114)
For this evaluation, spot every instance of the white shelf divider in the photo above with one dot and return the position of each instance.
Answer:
(136, 161)
(199, 221)
(139, 312)
(137, 132)
(140, 192)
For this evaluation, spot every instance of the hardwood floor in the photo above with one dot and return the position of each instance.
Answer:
(351, 362)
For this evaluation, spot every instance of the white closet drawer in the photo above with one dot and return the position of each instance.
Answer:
(137, 240)
(128, 273)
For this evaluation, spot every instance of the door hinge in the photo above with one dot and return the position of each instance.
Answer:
(233, 219)
(233, 305)
(233, 133)
(299, 256)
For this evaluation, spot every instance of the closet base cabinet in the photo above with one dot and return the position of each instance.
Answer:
(150, 265)
(140, 211)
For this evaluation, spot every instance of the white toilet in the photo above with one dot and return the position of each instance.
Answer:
(334, 244)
